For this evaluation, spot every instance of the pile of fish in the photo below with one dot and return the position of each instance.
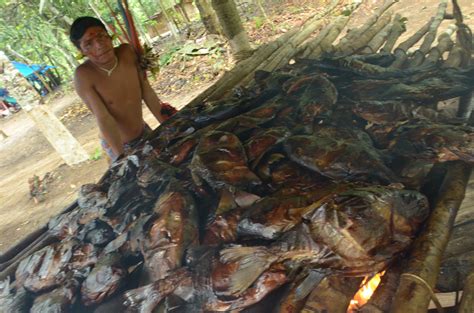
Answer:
(316, 169)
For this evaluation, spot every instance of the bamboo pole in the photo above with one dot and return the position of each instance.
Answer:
(464, 38)
(467, 300)
(307, 47)
(354, 35)
(401, 51)
(325, 45)
(455, 57)
(398, 28)
(444, 44)
(352, 46)
(378, 40)
(291, 46)
(419, 55)
(246, 68)
(416, 283)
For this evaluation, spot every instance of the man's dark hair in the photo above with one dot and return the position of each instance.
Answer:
(79, 27)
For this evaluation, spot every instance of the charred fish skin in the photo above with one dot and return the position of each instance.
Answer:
(170, 232)
(434, 142)
(98, 233)
(104, 280)
(46, 268)
(346, 223)
(59, 300)
(14, 300)
(144, 299)
(339, 155)
(220, 160)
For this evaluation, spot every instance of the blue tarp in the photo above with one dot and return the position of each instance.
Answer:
(27, 70)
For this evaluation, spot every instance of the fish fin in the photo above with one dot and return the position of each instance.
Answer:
(146, 298)
(309, 283)
(253, 261)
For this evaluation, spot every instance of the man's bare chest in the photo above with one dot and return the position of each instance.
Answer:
(122, 86)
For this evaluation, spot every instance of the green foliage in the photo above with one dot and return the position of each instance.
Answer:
(97, 155)
(168, 56)
(259, 21)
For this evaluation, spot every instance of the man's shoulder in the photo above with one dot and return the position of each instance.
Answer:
(84, 68)
(84, 72)
(124, 48)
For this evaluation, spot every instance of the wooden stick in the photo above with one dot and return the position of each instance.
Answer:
(413, 295)
(419, 55)
(354, 35)
(10, 270)
(444, 44)
(467, 300)
(306, 48)
(378, 39)
(112, 12)
(243, 71)
(401, 51)
(381, 300)
(326, 43)
(455, 57)
(398, 28)
(431, 35)
(28, 240)
(291, 47)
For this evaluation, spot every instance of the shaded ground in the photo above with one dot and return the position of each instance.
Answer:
(26, 152)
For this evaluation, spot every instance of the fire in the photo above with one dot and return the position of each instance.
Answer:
(365, 292)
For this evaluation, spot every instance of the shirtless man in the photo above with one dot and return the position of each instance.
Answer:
(112, 85)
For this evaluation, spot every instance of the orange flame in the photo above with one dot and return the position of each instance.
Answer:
(365, 292)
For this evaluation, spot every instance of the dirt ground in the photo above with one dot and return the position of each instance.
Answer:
(25, 152)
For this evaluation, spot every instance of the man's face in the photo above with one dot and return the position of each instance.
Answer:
(97, 45)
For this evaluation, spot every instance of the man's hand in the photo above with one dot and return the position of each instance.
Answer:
(167, 110)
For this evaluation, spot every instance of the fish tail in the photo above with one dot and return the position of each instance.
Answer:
(146, 298)
(252, 261)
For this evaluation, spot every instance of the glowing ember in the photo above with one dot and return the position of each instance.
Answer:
(364, 293)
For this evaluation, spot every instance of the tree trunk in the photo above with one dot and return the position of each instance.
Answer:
(18, 55)
(144, 9)
(208, 17)
(232, 26)
(171, 25)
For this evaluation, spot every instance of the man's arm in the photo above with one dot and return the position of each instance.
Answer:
(148, 94)
(107, 124)
(151, 99)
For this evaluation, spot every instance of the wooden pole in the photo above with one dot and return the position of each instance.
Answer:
(444, 44)
(378, 40)
(415, 290)
(419, 55)
(401, 52)
(354, 35)
(467, 300)
(112, 12)
(398, 28)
